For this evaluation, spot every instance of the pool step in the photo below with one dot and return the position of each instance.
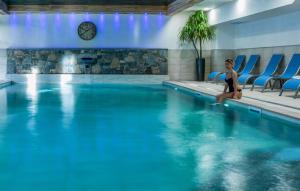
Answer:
(255, 110)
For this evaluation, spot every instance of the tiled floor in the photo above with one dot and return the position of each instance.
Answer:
(270, 100)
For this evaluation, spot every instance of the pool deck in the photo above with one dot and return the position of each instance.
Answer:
(269, 101)
(4, 83)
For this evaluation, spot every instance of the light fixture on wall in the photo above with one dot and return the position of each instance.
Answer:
(34, 70)
(241, 6)
(101, 17)
(117, 17)
(131, 17)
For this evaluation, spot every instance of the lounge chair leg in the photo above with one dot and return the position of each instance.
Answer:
(244, 86)
(252, 87)
(270, 84)
(280, 94)
(273, 85)
(265, 86)
(296, 94)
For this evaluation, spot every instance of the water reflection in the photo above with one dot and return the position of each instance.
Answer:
(3, 112)
(67, 100)
(230, 147)
(3, 103)
(32, 96)
(165, 141)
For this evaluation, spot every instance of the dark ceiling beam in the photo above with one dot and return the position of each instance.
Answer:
(3, 8)
(180, 5)
(89, 8)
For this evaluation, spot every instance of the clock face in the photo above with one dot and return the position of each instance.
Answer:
(87, 30)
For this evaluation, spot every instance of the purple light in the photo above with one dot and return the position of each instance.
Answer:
(72, 15)
(117, 20)
(42, 19)
(117, 17)
(87, 16)
(57, 19)
(146, 17)
(146, 21)
(28, 16)
(160, 20)
(28, 20)
(72, 20)
(101, 17)
(57, 16)
(131, 17)
(14, 15)
(13, 18)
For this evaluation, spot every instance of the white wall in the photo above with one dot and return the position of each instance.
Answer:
(224, 37)
(283, 30)
(60, 31)
(245, 24)
(244, 8)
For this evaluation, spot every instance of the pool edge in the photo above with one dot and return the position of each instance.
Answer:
(6, 84)
(264, 111)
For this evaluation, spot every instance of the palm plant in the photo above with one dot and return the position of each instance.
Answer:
(196, 31)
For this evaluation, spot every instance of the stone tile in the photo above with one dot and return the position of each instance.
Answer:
(88, 61)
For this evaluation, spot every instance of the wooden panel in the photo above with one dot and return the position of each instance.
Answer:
(180, 5)
(89, 2)
(89, 8)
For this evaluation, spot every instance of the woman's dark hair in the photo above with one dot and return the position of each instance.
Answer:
(229, 61)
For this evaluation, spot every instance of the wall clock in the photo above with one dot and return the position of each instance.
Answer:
(87, 30)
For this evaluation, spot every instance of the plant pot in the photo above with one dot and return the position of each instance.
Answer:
(200, 69)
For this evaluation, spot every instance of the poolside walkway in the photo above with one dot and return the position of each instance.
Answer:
(269, 101)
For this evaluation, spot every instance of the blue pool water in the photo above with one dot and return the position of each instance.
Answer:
(139, 138)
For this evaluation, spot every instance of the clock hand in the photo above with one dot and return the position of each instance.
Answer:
(86, 30)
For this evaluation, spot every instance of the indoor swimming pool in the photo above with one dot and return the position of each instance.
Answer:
(139, 137)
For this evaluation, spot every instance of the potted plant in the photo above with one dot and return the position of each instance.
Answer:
(196, 31)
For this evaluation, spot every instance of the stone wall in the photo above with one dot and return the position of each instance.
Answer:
(87, 61)
(182, 64)
(3, 59)
(218, 56)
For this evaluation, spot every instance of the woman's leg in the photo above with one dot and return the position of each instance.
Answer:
(239, 95)
(220, 98)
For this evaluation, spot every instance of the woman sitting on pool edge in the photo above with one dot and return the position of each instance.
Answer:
(235, 92)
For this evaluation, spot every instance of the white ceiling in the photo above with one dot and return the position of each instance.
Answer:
(207, 5)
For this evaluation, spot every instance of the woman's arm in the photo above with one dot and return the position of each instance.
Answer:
(225, 88)
(235, 85)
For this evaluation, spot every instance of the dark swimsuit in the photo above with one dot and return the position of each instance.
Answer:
(229, 82)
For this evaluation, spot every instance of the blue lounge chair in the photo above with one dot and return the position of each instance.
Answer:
(253, 60)
(239, 60)
(290, 71)
(291, 84)
(270, 70)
